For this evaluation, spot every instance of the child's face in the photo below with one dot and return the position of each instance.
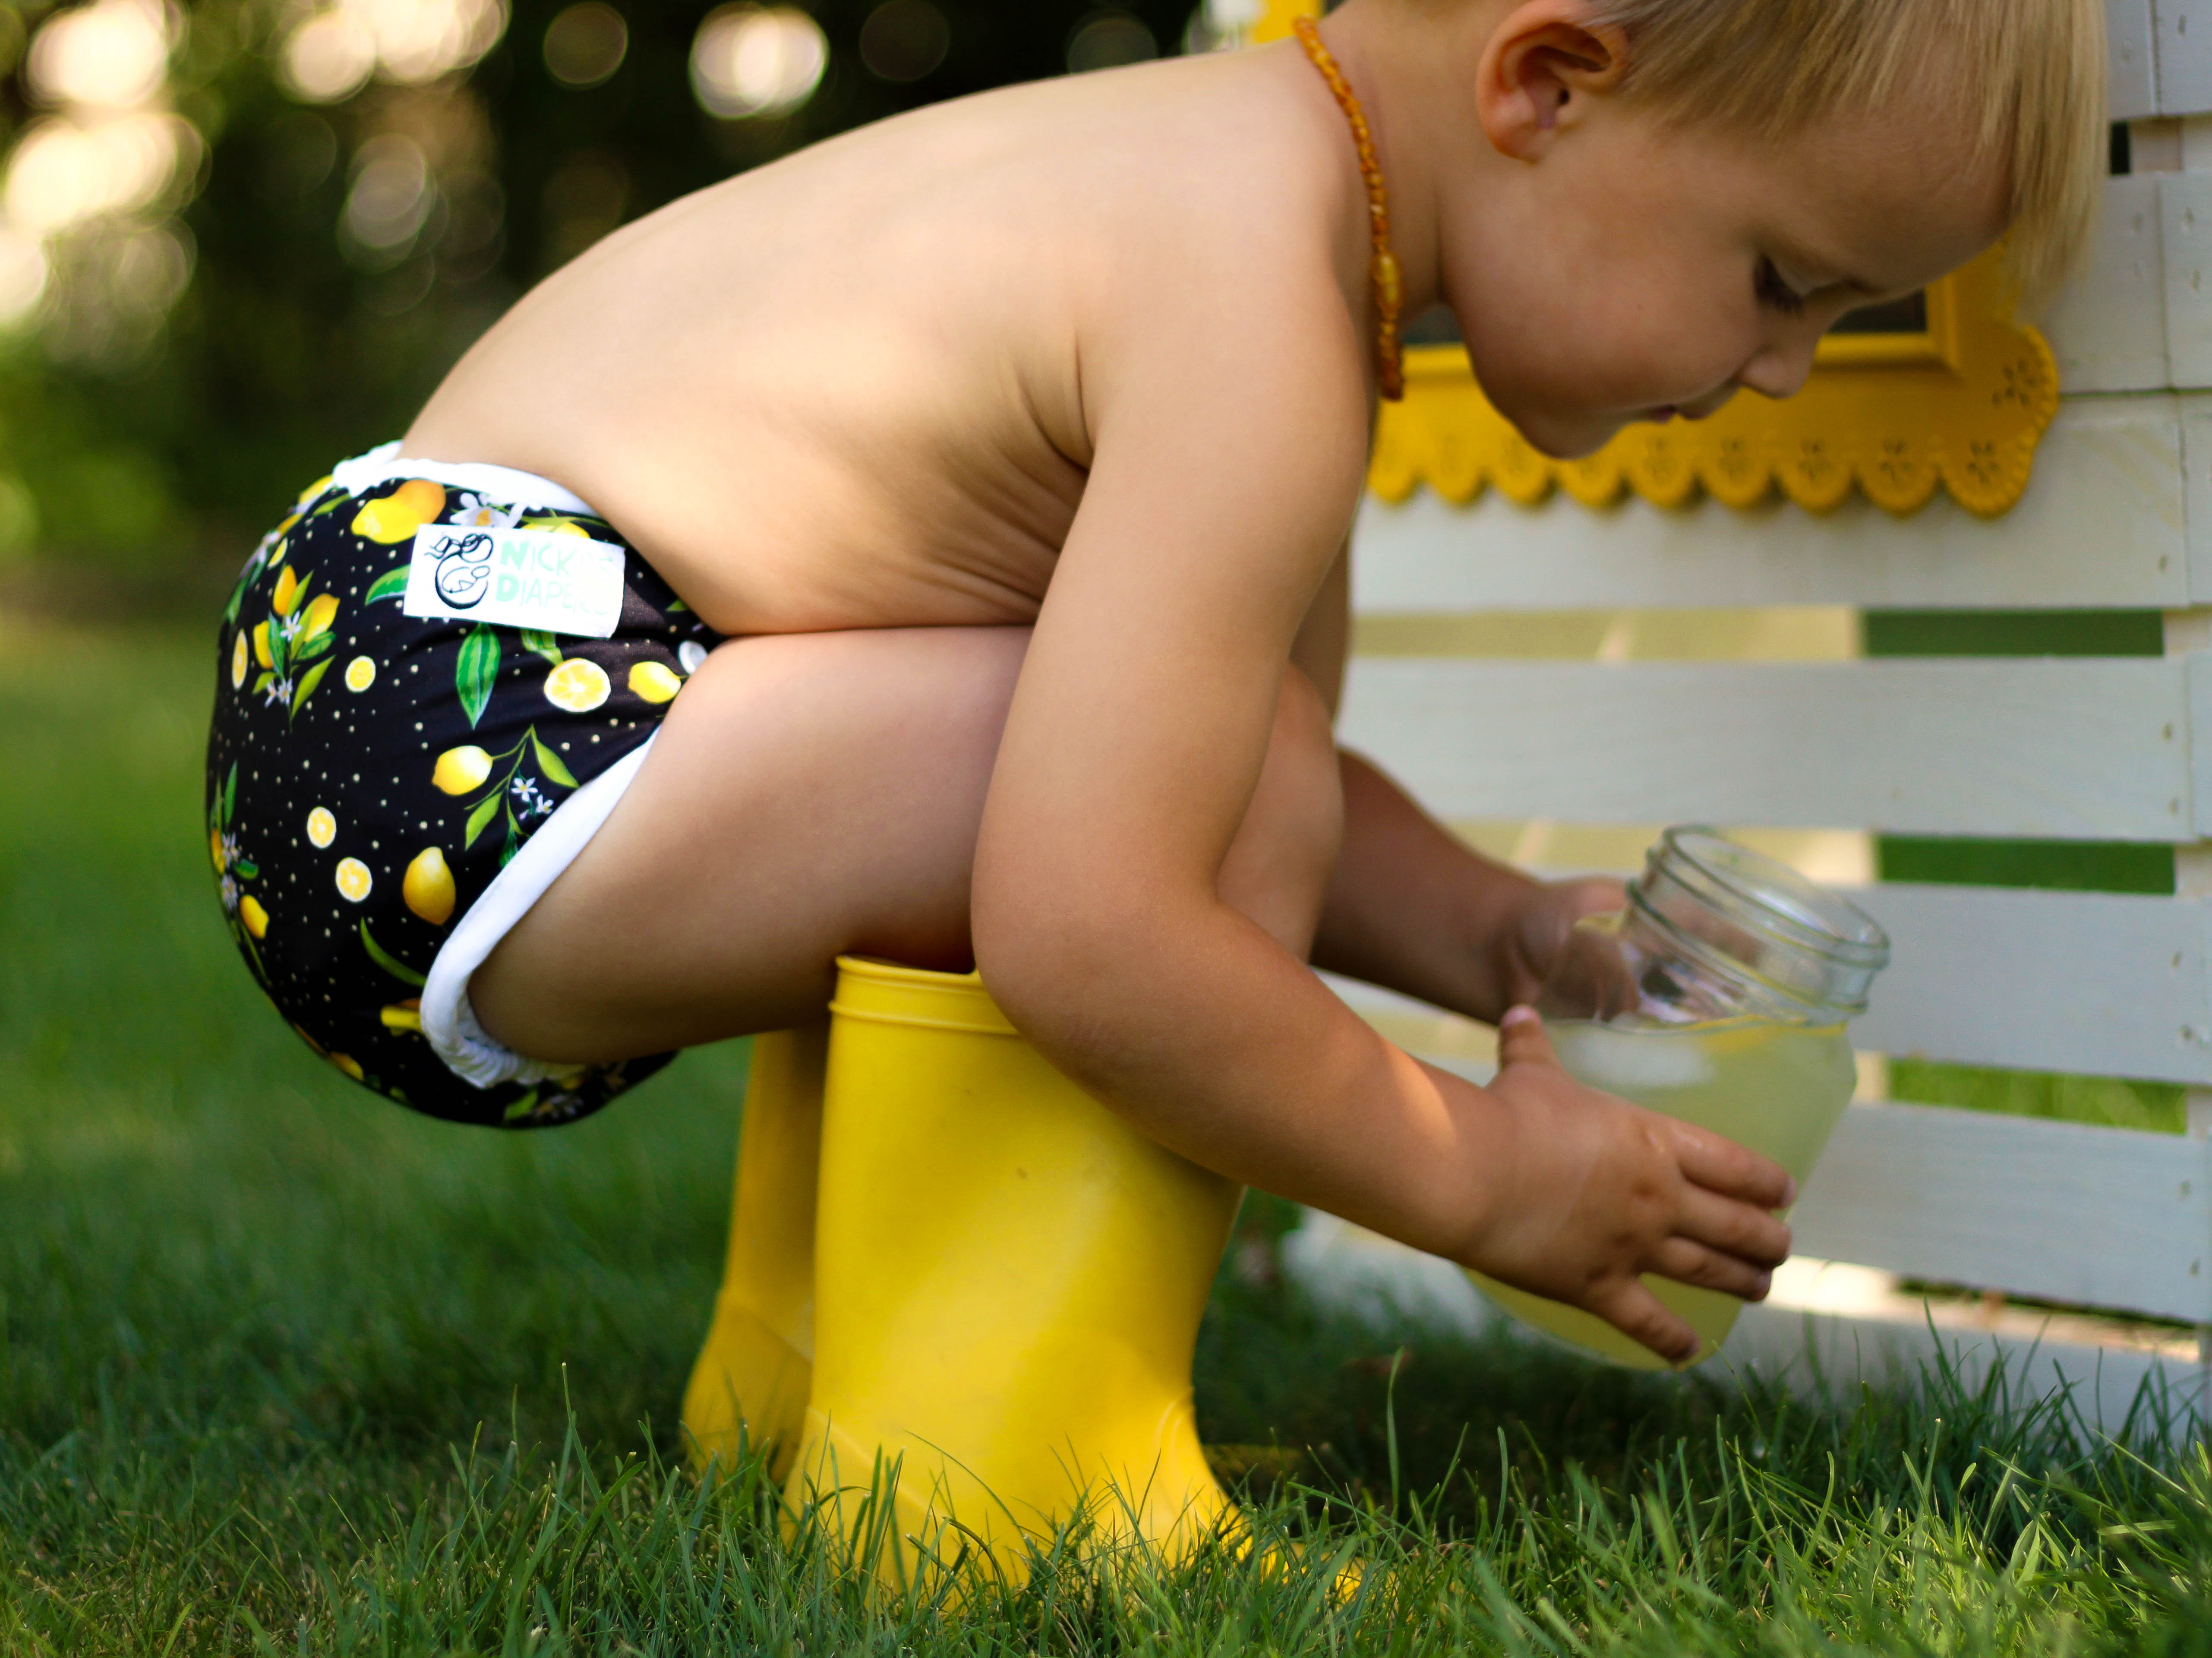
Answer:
(1634, 270)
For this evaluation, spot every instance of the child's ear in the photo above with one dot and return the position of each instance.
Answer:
(1543, 63)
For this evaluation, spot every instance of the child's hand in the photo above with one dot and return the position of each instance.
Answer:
(1529, 946)
(1591, 1192)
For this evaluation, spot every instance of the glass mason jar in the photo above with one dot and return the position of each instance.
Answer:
(1719, 995)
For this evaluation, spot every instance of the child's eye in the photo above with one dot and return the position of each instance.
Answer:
(1771, 291)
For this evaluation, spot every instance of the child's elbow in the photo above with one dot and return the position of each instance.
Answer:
(1056, 965)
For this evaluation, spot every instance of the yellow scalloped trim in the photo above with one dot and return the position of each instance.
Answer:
(1963, 406)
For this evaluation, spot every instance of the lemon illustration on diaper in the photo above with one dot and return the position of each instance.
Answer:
(578, 685)
(654, 682)
(397, 516)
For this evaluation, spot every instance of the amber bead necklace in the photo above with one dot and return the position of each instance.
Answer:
(1390, 352)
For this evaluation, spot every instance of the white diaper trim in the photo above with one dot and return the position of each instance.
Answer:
(503, 484)
(448, 1021)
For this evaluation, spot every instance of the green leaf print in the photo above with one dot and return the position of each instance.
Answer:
(392, 584)
(480, 819)
(230, 794)
(543, 643)
(391, 963)
(254, 568)
(548, 764)
(264, 682)
(475, 670)
(279, 663)
(308, 681)
(522, 1108)
(248, 869)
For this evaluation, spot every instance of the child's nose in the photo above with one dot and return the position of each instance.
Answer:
(1779, 369)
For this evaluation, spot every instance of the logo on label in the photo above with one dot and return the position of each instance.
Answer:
(464, 574)
(539, 579)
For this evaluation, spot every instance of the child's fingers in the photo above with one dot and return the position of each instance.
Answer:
(1719, 1164)
(1522, 1040)
(1742, 1229)
(1690, 1262)
(1637, 1313)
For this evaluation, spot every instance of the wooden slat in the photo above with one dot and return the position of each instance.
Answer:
(2184, 201)
(2183, 30)
(2108, 329)
(2134, 78)
(2102, 524)
(2101, 984)
(2060, 1212)
(2092, 983)
(1990, 976)
(2093, 748)
(2138, 315)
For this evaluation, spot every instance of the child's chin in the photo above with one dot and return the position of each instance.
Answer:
(1568, 438)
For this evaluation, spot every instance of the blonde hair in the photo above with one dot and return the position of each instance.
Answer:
(2030, 74)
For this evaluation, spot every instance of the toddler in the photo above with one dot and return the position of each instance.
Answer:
(933, 546)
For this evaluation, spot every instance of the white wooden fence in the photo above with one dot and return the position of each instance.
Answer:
(2119, 514)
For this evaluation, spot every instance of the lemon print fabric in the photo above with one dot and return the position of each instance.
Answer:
(654, 683)
(352, 824)
(577, 686)
(429, 887)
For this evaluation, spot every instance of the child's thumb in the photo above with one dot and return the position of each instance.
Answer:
(1522, 1040)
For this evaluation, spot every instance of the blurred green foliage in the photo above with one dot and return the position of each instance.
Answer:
(135, 448)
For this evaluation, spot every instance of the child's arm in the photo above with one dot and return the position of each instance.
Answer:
(1224, 472)
(1411, 906)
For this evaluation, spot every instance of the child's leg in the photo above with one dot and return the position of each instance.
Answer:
(817, 795)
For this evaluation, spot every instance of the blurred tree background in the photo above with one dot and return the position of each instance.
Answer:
(241, 239)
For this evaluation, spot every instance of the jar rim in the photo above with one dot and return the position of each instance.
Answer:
(1813, 948)
(1782, 901)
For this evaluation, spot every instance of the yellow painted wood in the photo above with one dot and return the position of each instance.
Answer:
(1895, 415)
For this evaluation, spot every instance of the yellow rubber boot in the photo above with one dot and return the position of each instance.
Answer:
(756, 1367)
(1010, 1280)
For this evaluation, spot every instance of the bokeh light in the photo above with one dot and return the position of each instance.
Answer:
(390, 200)
(756, 60)
(65, 172)
(903, 40)
(113, 54)
(1108, 40)
(329, 57)
(23, 272)
(330, 54)
(585, 44)
(147, 268)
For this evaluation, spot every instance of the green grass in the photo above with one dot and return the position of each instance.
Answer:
(285, 1369)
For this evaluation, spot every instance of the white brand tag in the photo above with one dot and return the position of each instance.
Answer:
(541, 579)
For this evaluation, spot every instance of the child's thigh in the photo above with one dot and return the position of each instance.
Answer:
(808, 794)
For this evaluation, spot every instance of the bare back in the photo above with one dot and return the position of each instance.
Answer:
(848, 389)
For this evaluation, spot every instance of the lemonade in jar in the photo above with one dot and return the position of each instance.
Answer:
(1720, 996)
